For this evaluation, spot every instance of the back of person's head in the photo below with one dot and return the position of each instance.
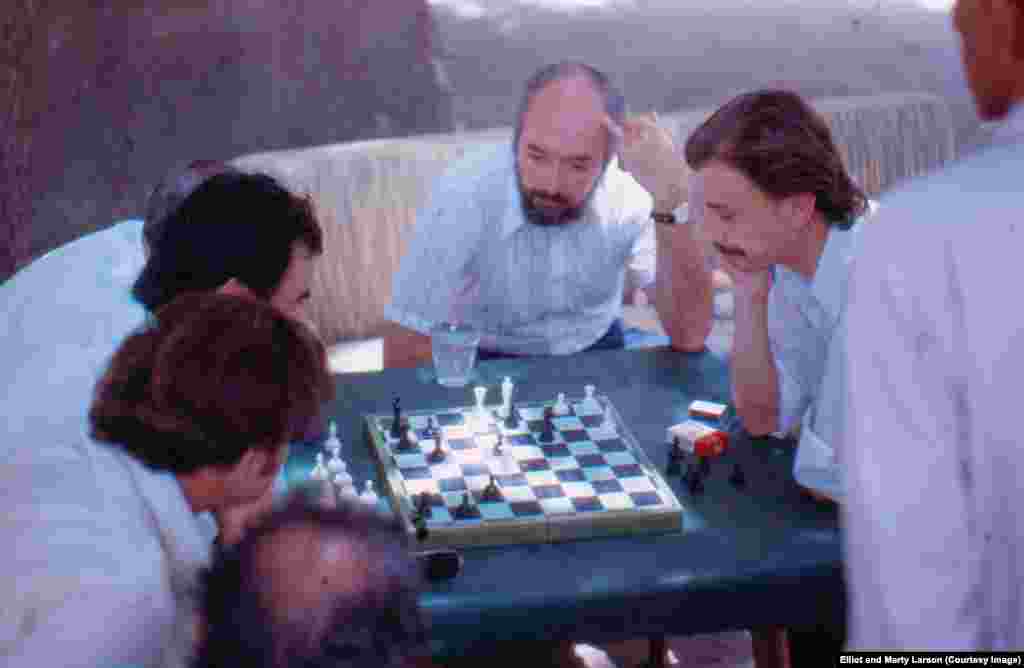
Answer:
(775, 139)
(209, 378)
(233, 225)
(170, 192)
(313, 587)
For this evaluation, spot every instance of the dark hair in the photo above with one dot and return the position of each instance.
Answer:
(167, 195)
(233, 225)
(777, 141)
(372, 622)
(614, 101)
(209, 378)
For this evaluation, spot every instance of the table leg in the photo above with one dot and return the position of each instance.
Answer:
(771, 649)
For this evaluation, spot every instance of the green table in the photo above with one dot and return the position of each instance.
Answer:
(752, 558)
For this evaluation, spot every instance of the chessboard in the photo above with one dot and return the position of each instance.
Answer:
(489, 480)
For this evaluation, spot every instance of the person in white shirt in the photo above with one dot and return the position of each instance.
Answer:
(931, 451)
(193, 415)
(536, 243)
(315, 587)
(783, 214)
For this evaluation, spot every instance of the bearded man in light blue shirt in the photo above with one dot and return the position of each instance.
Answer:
(535, 243)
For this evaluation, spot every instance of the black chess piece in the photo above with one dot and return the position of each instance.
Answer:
(437, 454)
(423, 505)
(465, 509)
(694, 482)
(405, 442)
(675, 458)
(421, 528)
(396, 422)
(548, 434)
(498, 445)
(492, 492)
(737, 478)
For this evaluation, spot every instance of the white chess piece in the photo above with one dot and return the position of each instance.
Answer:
(481, 395)
(335, 465)
(319, 471)
(333, 444)
(506, 397)
(346, 486)
(561, 407)
(369, 496)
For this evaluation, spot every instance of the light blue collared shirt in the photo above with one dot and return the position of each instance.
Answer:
(530, 289)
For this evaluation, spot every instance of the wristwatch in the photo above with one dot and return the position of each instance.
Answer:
(670, 218)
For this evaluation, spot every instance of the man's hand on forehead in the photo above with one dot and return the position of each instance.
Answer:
(647, 151)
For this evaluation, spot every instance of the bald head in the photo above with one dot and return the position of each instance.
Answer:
(562, 140)
(314, 586)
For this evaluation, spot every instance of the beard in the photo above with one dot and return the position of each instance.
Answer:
(547, 209)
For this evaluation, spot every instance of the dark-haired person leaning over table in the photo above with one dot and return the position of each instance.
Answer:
(192, 415)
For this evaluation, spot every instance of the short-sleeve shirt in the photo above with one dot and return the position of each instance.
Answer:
(803, 319)
(530, 289)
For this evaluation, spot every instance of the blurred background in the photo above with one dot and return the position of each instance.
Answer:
(100, 98)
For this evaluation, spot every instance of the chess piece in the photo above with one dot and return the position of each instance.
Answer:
(694, 482)
(512, 421)
(506, 397)
(548, 434)
(560, 407)
(465, 509)
(424, 505)
(492, 492)
(675, 458)
(420, 523)
(319, 472)
(369, 496)
(737, 478)
(437, 454)
(431, 430)
(406, 442)
(499, 445)
(333, 443)
(396, 423)
(344, 484)
(480, 392)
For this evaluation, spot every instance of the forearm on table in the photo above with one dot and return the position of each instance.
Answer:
(682, 292)
(755, 379)
(404, 348)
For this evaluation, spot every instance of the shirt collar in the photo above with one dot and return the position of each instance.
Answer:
(1010, 129)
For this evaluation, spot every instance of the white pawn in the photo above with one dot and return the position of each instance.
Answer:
(336, 465)
(319, 471)
(506, 397)
(333, 444)
(346, 486)
(369, 495)
(561, 408)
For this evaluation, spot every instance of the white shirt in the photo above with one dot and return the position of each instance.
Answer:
(932, 450)
(63, 317)
(101, 560)
(802, 323)
(530, 289)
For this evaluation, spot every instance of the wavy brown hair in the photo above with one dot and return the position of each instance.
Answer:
(209, 378)
(784, 147)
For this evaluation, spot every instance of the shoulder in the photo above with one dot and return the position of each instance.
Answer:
(480, 169)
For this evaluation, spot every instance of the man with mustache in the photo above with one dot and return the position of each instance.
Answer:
(536, 246)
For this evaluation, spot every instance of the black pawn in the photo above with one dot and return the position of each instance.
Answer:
(491, 492)
(430, 431)
(694, 482)
(737, 478)
(437, 454)
(396, 422)
(548, 434)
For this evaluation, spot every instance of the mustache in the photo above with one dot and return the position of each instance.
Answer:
(729, 250)
(537, 195)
